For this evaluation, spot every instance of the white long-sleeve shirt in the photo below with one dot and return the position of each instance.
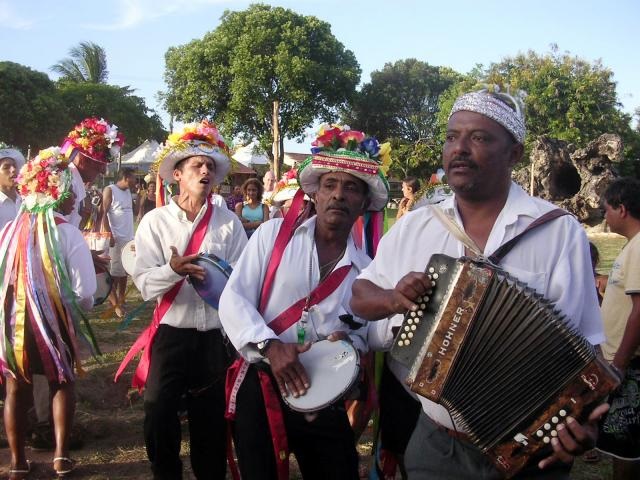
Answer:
(168, 226)
(8, 209)
(553, 259)
(297, 275)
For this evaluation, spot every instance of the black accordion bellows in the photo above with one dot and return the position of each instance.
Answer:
(499, 358)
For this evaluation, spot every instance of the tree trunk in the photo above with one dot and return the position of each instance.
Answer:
(277, 142)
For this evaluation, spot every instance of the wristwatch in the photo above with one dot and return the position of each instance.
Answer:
(263, 345)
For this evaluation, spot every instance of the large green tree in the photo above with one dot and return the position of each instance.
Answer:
(86, 63)
(116, 104)
(253, 58)
(400, 104)
(568, 97)
(32, 113)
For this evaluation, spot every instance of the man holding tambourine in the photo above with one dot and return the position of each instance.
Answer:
(285, 308)
(189, 357)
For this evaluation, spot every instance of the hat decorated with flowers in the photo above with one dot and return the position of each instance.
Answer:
(340, 149)
(286, 188)
(95, 138)
(193, 139)
(45, 181)
(7, 151)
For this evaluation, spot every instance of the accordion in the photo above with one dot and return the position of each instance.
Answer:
(500, 358)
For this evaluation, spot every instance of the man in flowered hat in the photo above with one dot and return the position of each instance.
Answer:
(11, 160)
(484, 141)
(189, 356)
(47, 281)
(306, 271)
(91, 146)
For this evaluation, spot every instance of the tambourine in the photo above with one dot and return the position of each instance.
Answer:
(332, 368)
(103, 289)
(128, 257)
(217, 272)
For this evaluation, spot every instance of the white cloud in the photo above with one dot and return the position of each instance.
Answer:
(10, 19)
(131, 13)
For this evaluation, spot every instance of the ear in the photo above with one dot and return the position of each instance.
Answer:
(517, 151)
(624, 212)
(176, 175)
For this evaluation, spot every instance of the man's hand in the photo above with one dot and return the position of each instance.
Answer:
(183, 266)
(100, 262)
(286, 368)
(573, 438)
(407, 290)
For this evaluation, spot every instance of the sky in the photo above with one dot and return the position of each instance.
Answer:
(459, 34)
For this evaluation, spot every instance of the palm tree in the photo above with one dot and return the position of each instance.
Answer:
(87, 62)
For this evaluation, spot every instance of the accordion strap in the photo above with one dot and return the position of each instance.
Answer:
(497, 256)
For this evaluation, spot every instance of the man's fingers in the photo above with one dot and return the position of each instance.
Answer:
(174, 251)
(599, 412)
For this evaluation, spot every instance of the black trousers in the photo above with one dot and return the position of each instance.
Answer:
(324, 448)
(186, 363)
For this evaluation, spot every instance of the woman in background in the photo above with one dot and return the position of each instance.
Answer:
(252, 211)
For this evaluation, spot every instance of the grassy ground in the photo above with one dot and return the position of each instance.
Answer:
(109, 415)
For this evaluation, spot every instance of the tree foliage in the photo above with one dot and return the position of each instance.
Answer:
(254, 57)
(87, 63)
(116, 104)
(38, 112)
(567, 97)
(32, 112)
(400, 104)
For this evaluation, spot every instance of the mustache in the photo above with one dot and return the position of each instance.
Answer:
(337, 206)
(460, 161)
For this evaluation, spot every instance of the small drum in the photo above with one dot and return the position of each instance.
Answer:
(103, 289)
(332, 368)
(128, 257)
(217, 272)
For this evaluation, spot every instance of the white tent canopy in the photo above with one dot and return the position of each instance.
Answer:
(251, 154)
(142, 157)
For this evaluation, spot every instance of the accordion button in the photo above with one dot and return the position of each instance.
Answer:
(410, 334)
(423, 306)
(555, 420)
(433, 284)
(540, 433)
(563, 413)
(554, 433)
(407, 342)
(546, 439)
(431, 269)
(413, 328)
(410, 321)
(547, 426)
(400, 343)
(435, 276)
(413, 315)
(407, 328)
(420, 314)
(403, 336)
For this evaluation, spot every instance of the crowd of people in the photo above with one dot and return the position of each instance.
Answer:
(298, 276)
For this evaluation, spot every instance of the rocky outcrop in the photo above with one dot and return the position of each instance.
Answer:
(574, 179)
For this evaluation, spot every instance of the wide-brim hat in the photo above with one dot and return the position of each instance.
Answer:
(353, 163)
(169, 157)
(14, 154)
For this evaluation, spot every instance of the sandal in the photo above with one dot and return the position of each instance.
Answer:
(20, 473)
(67, 462)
